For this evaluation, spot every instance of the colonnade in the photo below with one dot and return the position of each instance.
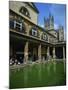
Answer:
(39, 52)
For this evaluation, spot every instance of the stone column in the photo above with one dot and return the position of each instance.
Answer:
(11, 50)
(63, 53)
(64, 59)
(26, 52)
(39, 52)
(54, 56)
(27, 28)
(48, 55)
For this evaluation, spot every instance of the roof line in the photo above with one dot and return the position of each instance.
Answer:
(35, 8)
(33, 23)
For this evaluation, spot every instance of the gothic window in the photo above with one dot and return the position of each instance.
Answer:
(25, 11)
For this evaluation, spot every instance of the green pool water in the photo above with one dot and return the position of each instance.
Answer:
(38, 75)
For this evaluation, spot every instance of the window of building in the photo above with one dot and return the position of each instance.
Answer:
(44, 37)
(34, 32)
(11, 24)
(25, 11)
(62, 38)
(17, 25)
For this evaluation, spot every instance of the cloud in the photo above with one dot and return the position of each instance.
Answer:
(65, 35)
(41, 25)
(56, 26)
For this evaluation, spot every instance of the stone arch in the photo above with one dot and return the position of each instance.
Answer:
(25, 11)
(44, 36)
(36, 29)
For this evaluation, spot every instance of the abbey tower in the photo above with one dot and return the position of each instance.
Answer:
(49, 22)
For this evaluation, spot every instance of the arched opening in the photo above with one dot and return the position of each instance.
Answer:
(34, 32)
(25, 11)
(44, 37)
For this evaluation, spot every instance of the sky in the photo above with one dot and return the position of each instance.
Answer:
(57, 10)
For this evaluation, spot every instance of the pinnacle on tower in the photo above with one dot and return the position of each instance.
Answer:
(52, 18)
(50, 15)
(60, 27)
(44, 20)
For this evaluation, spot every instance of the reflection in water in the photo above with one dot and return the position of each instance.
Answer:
(64, 65)
(30, 68)
(25, 71)
(18, 69)
(39, 68)
(48, 68)
(43, 66)
(15, 70)
(54, 64)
